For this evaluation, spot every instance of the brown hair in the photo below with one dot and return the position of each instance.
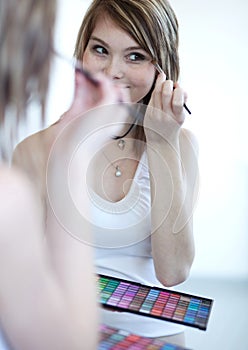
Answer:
(26, 30)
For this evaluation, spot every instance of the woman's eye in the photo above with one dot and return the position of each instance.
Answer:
(135, 57)
(100, 50)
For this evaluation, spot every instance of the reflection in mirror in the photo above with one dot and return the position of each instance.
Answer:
(211, 43)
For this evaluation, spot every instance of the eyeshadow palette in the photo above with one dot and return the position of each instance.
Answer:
(114, 339)
(164, 304)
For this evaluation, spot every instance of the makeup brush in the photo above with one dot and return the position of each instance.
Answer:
(78, 66)
(159, 69)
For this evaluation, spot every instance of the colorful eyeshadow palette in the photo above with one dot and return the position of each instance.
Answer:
(113, 339)
(160, 303)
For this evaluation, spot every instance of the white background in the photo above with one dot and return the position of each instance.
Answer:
(214, 58)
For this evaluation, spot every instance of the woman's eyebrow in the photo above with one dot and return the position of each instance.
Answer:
(131, 48)
(100, 40)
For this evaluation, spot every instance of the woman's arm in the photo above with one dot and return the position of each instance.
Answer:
(61, 264)
(37, 311)
(172, 156)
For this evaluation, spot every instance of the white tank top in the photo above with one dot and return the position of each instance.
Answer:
(123, 249)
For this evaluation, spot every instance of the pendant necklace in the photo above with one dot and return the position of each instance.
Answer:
(121, 144)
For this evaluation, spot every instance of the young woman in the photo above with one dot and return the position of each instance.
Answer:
(43, 305)
(142, 182)
(148, 208)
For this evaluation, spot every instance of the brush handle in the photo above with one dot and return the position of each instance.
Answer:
(185, 106)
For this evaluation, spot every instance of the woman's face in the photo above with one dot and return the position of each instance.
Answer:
(112, 51)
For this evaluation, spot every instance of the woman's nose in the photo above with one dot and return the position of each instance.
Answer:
(114, 69)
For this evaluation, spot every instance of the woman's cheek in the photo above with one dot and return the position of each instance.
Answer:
(90, 64)
(141, 87)
(86, 61)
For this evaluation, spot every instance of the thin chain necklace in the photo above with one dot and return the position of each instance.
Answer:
(121, 144)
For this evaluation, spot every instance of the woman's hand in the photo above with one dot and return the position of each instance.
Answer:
(97, 109)
(91, 92)
(165, 114)
(170, 98)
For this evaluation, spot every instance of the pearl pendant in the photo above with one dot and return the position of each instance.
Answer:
(121, 144)
(118, 172)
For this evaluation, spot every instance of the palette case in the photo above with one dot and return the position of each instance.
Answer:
(165, 304)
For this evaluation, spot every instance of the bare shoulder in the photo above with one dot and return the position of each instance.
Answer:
(30, 144)
(31, 154)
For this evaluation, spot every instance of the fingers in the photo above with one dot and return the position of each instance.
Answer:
(169, 97)
(177, 101)
(93, 91)
(156, 95)
(106, 92)
(86, 92)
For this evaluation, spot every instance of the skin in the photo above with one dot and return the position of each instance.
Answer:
(112, 51)
(40, 308)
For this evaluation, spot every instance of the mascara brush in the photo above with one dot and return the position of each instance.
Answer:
(159, 69)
